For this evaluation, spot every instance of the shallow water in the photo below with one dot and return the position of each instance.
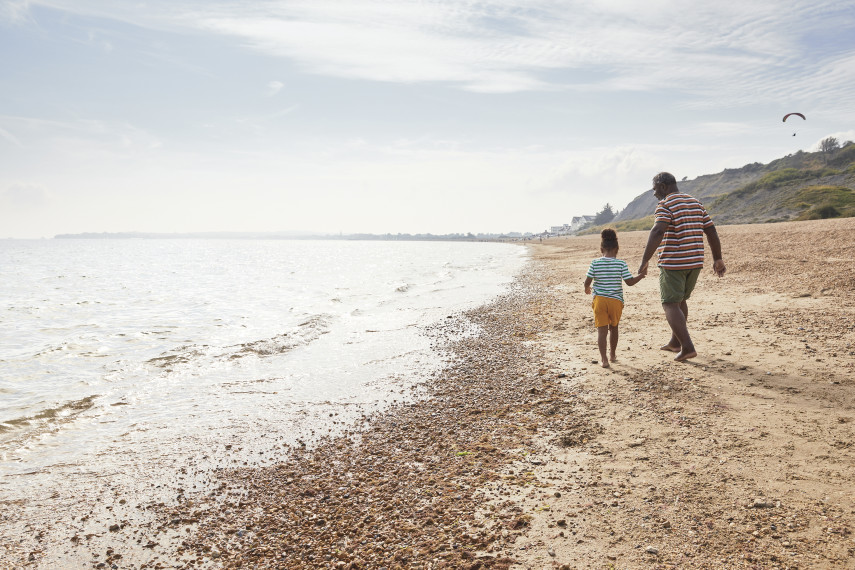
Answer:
(114, 353)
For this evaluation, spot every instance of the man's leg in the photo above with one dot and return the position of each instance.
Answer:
(676, 314)
(674, 344)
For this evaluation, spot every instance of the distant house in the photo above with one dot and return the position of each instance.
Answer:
(578, 222)
(561, 230)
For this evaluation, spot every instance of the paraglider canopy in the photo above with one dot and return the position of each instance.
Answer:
(791, 114)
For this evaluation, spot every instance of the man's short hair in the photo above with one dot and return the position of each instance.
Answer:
(665, 178)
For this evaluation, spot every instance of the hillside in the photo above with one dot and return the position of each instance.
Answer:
(800, 186)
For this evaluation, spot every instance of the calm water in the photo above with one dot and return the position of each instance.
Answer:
(116, 352)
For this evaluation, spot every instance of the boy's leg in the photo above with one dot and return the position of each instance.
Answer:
(613, 340)
(602, 333)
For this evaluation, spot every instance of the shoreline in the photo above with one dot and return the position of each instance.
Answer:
(127, 524)
(526, 454)
(399, 491)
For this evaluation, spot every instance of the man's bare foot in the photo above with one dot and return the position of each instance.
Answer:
(606, 364)
(613, 358)
(670, 347)
(685, 355)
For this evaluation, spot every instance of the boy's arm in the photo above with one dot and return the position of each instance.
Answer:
(629, 279)
(588, 282)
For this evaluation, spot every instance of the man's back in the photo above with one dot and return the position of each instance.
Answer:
(683, 244)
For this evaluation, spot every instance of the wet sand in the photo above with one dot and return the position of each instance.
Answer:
(525, 453)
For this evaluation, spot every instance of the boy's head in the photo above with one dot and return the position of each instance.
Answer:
(608, 240)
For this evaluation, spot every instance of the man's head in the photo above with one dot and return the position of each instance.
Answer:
(663, 184)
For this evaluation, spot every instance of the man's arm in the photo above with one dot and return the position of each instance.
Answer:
(657, 232)
(715, 247)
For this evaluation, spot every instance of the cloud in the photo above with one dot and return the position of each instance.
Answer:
(611, 76)
(600, 169)
(733, 50)
(14, 12)
(273, 88)
(841, 136)
(24, 196)
(721, 54)
(720, 128)
(10, 137)
(80, 140)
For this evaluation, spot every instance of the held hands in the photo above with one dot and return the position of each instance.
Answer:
(642, 269)
(719, 268)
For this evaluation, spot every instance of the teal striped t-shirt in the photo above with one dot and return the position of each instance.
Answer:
(608, 274)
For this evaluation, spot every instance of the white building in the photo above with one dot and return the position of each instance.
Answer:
(579, 221)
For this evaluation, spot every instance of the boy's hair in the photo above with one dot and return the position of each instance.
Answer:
(609, 239)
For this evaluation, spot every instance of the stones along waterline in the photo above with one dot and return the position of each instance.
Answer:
(401, 492)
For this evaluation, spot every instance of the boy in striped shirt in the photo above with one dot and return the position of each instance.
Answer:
(606, 274)
(680, 225)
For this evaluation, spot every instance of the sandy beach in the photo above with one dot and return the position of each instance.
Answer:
(525, 453)
(740, 458)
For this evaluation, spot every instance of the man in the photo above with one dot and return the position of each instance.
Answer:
(680, 224)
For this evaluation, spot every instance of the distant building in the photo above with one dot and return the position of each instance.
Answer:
(562, 230)
(578, 222)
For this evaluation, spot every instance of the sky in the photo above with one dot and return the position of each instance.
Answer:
(396, 116)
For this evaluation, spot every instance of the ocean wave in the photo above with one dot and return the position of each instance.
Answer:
(49, 419)
(191, 355)
(302, 335)
(181, 355)
(61, 347)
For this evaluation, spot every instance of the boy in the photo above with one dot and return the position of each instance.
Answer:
(606, 274)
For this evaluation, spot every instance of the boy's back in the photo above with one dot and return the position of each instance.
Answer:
(608, 274)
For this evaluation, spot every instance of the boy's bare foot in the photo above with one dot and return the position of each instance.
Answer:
(606, 364)
(685, 355)
(670, 347)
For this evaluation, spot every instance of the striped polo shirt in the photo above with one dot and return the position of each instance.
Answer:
(683, 244)
(608, 274)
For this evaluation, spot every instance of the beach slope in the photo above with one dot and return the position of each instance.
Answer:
(524, 453)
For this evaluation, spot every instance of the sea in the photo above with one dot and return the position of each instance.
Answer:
(121, 353)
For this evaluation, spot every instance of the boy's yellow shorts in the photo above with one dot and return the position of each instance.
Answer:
(607, 311)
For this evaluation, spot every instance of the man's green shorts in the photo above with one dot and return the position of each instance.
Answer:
(676, 285)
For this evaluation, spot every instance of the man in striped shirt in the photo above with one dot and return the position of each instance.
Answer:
(678, 232)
